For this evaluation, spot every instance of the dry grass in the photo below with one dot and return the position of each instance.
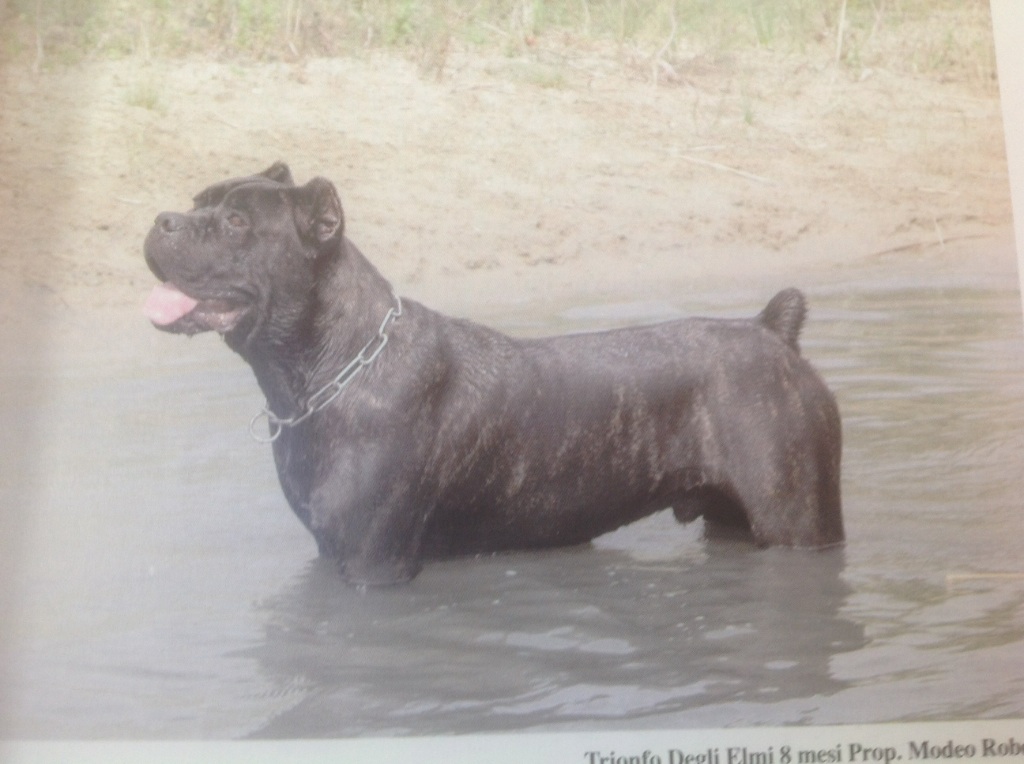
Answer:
(945, 39)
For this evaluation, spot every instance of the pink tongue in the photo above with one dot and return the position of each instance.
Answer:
(166, 304)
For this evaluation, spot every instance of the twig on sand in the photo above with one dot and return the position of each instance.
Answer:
(496, 29)
(660, 62)
(938, 232)
(229, 124)
(726, 168)
(925, 243)
(840, 30)
(955, 578)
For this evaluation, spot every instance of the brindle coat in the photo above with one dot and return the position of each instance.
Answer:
(458, 439)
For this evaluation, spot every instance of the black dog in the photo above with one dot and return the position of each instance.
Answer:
(401, 434)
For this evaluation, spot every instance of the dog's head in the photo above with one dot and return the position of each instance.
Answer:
(248, 246)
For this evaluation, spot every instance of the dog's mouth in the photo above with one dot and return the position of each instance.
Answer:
(172, 310)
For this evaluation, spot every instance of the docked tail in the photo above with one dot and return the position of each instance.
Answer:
(784, 315)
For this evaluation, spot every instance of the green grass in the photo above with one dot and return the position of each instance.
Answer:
(949, 38)
(145, 95)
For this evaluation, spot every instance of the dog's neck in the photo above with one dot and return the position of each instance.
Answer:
(304, 346)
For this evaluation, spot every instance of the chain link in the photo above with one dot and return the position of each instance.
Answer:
(326, 394)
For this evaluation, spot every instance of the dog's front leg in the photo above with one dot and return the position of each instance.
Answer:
(368, 519)
(390, 550)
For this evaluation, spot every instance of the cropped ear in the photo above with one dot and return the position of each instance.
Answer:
(318, 214)
(212, 195)
(279, 172)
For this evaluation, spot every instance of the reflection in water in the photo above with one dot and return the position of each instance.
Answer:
(166, 567)
(538, 640)
(932, 392)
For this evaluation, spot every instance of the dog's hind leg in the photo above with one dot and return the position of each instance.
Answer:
(792, 502)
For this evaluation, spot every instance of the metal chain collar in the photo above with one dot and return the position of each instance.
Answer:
(326, 394)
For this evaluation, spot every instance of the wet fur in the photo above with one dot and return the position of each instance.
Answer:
(459, 439)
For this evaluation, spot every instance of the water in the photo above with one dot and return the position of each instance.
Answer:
(168, 592)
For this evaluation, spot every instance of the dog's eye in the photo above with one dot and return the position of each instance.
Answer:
(236, 221)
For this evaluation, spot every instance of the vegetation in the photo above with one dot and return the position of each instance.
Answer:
(947, 38)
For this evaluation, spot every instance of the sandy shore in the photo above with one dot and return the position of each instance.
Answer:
(499, 187)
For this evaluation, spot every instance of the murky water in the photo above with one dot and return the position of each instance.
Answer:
(169, 592)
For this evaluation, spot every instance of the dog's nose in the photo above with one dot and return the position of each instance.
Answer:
(170, 222)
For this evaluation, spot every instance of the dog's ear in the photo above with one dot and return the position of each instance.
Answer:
(318, 214)
(212, 196)
(279, 172)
